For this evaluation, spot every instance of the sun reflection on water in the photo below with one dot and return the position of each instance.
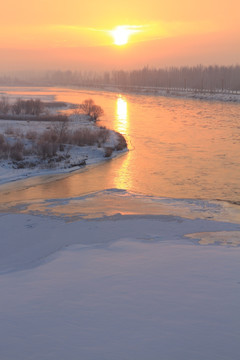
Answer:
(122, 180)
(121, 116)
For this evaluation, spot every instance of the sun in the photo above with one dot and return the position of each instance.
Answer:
(121, 33)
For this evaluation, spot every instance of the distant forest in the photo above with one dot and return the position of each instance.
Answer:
(212, 78)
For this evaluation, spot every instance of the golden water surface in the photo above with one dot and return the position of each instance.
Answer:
(179, 148)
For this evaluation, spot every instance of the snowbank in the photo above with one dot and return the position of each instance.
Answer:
(130, 288)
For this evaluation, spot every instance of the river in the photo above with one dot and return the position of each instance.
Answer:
(180, 151)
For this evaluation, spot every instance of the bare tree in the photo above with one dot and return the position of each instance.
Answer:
(87, 105)
(91, 109)
(4, 105)
(37, 107)
(96, 112)
(17, 107)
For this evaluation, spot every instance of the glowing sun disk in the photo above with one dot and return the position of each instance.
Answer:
(121, 34)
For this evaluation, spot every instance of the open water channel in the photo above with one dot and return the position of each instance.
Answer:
(183, 159)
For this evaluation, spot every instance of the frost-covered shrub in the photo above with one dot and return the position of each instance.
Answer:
(54, 118)
(4, 147)
(82, 137)
(2, 139)
(31, 135)
(60, 128)
(108, 151)
(57, 134)
(16, 151)
(89, 136)
(49, 136)
(103, 135)
(4, 106)
(46, 149)
(9, 130)
(121, 142)
(27, 107)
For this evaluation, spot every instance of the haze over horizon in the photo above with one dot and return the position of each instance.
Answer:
(38, 35)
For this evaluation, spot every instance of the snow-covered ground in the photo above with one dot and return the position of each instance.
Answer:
(209, 96)
(127, 287)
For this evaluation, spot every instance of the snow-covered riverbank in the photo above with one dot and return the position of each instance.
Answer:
(71, 158)
(207, 95)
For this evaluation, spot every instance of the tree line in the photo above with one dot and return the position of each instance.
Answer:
(196, 77)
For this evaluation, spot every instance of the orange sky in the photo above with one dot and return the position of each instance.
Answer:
(73, 34)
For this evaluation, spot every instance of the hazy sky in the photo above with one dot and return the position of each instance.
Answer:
(73, 34)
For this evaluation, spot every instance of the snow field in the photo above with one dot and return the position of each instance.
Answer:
(124, 289)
